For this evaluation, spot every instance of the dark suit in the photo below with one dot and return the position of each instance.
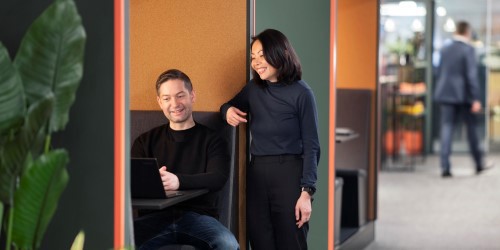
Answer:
(457, 88)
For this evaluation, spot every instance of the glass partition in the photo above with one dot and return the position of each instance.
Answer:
(449, 12)
(411, 35)
(404, 69)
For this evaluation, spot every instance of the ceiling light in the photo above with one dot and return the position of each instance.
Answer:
(441, 11)
(449, 25)
(405, 8)
(389, 25)
(407, 4)
(417, 26)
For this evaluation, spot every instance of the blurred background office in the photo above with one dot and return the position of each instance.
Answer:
(411, 33)
(417, 209)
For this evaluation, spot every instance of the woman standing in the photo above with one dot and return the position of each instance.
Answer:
(281, 178)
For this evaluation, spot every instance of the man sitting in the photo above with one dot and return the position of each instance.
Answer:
(192, 156)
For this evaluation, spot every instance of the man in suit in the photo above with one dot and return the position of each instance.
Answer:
(457, 92)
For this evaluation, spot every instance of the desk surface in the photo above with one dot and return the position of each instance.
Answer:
(164, 203)
(344, 138)
(344, 134)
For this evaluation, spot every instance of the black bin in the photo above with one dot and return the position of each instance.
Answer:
(339, 182)
(353, 211)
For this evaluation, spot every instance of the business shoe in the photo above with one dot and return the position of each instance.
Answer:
(488, 165)
(446, 174)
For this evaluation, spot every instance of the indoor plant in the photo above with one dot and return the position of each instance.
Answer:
(38, 89)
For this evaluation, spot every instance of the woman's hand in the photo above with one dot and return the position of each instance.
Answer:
(303, 209)
(235, 116)
(169, 180)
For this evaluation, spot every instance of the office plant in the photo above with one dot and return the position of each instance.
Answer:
(37, 90)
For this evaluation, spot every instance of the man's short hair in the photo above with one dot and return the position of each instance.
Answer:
(462, 27)
(173, 74)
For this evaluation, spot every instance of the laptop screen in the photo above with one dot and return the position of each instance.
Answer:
(145, 179)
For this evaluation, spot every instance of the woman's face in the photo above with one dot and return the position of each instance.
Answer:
(260, 65)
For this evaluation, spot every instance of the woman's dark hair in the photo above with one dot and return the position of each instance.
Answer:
(173, 74)
(280, 54)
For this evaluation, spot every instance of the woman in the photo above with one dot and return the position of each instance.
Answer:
(285, 148)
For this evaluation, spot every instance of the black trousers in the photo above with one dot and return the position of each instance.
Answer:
(273, 188)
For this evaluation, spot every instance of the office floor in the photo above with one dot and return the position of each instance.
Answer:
(421, 210)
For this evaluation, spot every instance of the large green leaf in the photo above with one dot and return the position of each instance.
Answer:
(36, 199)
(12, 103)
(15, 151)
(50, 58)
(1, 217)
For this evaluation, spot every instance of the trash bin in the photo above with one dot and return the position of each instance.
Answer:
(353, 212)
(339, 182)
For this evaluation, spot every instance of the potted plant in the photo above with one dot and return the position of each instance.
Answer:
(38, 88)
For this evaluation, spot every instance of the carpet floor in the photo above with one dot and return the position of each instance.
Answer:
(421, 210)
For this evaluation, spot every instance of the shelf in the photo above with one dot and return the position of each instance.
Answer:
(410, 94)
(405, 114)
(419, 115)
(388, 79)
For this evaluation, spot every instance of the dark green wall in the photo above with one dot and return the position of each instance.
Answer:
(87, 202)
(307, 25)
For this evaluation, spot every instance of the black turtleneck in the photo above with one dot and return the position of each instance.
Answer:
(283, 121)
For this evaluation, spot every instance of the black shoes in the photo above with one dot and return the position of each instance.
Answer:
(487, 166)
(446, 174)
(479, 170)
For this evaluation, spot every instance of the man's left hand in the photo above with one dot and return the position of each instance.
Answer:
(476, 107)
(169, 180)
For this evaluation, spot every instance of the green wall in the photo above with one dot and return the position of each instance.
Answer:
(87, 202)
(307, 25)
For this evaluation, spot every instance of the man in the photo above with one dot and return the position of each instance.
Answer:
(457, 92)
(192, 157)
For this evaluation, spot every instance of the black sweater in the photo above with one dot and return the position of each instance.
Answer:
(198, 156)
(283, 121)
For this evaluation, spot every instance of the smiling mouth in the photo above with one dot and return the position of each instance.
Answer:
(176, 112)
(261, 70)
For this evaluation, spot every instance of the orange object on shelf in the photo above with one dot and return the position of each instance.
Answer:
(391, 141)
(413, 142)
(412, 88)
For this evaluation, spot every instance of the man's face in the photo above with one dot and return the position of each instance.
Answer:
(177, 103)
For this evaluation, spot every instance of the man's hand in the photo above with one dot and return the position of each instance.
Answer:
(235, 116)
(303, 209)
(476, 107)
(169, 180)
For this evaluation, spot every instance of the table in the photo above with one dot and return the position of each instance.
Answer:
(158, 204)
(344, 134)
(344, 138)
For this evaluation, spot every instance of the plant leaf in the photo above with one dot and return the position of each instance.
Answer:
(2, 209)
(14, 154)
(36, 199)
(78, 242)
(12, 101)
(50, 59)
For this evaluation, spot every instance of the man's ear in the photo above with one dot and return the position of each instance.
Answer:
(193, 96)
(158, 99)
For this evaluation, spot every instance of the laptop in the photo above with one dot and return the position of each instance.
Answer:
(146, 181)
